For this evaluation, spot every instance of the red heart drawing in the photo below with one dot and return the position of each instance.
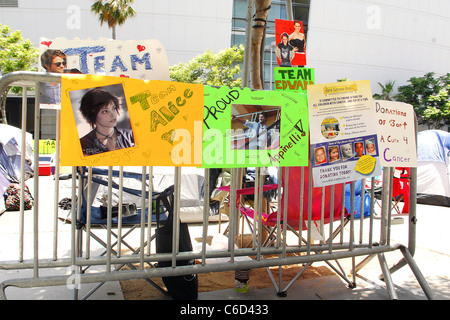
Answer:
(124, 76)
(140, 48)
(46, 43)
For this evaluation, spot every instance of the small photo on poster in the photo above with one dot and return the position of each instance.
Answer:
(255, 127)
(102, 119)
(347, 151)
(333, 154)
(320, 156)
(290, 43)
(330, 128)
(359, 149)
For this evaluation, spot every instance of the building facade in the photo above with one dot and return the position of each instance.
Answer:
(376, 40)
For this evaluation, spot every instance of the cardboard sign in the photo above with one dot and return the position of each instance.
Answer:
(235, 135)
(396, 134)
(290, 43)
(154, 124)
(138, 59)
(344, 145)
(293, 79)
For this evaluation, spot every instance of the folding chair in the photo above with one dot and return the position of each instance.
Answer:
(400, 190)
(303, 210)
(125, 210)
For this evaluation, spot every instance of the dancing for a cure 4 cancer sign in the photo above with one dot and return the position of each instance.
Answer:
(344, 145)
(396, 134)
(245, 128)
(154, 122)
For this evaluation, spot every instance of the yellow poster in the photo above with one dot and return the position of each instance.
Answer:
(115, 121)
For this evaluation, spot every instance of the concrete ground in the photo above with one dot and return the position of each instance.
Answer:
(432, 257)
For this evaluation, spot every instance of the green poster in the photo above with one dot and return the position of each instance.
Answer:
(245, 128)
(293, 79)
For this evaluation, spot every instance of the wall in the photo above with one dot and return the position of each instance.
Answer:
(186, 28)
(378, 40)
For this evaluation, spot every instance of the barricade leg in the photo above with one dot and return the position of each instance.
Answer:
(387, 277)
(417, 273)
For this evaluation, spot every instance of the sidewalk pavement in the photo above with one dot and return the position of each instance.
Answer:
(432, 257)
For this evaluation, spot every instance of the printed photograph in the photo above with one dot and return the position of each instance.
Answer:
(102, 118)
(255, 127)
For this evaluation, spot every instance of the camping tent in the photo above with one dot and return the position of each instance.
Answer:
(10, 155)
(433, 178)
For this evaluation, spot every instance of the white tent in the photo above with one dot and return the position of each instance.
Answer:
(10, 155)
(433, 177)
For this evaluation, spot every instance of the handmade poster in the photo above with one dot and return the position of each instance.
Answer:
(143, 59)
(290, 42)
(293, 79)
(245, 128)
(344, 145)
(114, 121)
(396, 134)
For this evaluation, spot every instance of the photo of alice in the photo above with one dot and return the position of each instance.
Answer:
(333, 154)
(370, 147)
(103, 122)
(347, 151)
(320, 155)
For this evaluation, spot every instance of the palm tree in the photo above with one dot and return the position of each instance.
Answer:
(114, 12)
(387, 91)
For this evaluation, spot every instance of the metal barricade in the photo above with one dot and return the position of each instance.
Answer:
(352, 241)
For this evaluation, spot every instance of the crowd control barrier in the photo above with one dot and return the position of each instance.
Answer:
(344, 234)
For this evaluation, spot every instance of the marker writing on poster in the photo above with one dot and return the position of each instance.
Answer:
(292, 79)
(396, 119)
(167, 112)
(99, 60)
(220, 105)
(294, 139)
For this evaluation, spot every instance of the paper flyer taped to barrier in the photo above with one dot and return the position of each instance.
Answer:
(245, 128)
(290, 45)
(115, 121)
(396, 134)
(344, 145)
(138, 59)
(293, 79)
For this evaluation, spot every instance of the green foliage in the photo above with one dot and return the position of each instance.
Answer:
(426, 95)
(440, 108)
(16, 53)
(214, 69)
(113, 12)
(387, 91)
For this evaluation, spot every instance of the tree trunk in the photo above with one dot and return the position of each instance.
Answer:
(258, 32)
(3, 106)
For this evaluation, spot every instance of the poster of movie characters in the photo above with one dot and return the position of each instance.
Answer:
(290, 43)
(344, 145)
